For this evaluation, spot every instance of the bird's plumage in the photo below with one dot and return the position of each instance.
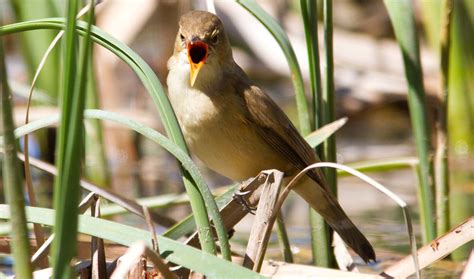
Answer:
(237, 130)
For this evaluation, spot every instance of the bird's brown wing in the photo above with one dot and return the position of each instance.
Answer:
(277, 130)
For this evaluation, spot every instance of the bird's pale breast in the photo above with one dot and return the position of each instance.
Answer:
(217, 133)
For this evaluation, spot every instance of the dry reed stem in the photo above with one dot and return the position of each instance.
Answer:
(246, 198)
(343, 258)
(436, 250)
(131, 262)
(282, 270)
(469, 270)
(151, 228)
(44, 248)
(262, 225)
(99, 265)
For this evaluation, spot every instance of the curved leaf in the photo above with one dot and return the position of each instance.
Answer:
(282, 39)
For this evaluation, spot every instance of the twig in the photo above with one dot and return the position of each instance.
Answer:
(151, 228)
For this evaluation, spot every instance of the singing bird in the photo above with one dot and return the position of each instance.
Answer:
(235, 128)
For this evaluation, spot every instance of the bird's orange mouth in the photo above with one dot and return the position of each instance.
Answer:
(197, 55)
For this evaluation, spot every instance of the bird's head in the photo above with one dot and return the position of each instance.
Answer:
(201, 37)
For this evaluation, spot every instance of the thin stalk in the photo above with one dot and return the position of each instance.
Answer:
(320, 240)
(441, 164)
(96, 168)
(37, 229)
(461, 114)
(12, 181)
(70, 148)
(461, 82)
(403, 20)
(284, 239)
(324, 255)
(309, 11)
(319, 243)
(328, 109)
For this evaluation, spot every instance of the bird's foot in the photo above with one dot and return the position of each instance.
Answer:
(240, 197)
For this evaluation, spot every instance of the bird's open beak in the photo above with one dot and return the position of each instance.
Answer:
(197, 55)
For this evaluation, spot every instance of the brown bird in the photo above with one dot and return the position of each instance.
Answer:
(235, 128)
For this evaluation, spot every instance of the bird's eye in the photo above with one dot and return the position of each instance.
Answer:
(213, 39)
(182, 37)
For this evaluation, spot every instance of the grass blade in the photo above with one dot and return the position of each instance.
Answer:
(381, 165)
(403, 21)
(171, 250)
(187, 225)
(12, 181)
(70, 148)
(320, 135)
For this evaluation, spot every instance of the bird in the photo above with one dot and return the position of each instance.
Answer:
(235, 128)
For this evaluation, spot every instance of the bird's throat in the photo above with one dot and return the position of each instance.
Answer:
(197, 52)
(197, 55)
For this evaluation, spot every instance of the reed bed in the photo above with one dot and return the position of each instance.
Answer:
(199, 243)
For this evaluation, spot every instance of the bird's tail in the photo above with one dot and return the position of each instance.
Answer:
(326, 205)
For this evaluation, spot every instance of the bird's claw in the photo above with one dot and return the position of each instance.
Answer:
(239, 196)
(240, 193)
